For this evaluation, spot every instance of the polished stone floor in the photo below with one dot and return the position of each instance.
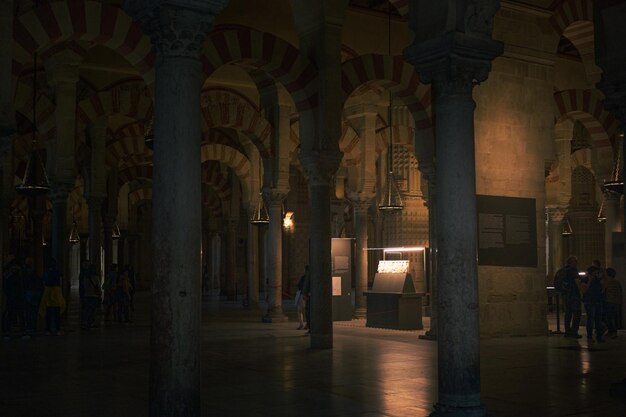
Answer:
(255, 369)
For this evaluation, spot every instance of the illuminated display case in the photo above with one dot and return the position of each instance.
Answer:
(393, 303)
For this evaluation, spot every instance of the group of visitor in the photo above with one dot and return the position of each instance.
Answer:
(116, 294)
(30, 299)
(598, 290)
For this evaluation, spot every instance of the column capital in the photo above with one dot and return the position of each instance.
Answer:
(275, 196)
(320, 166)
(95, 200)
(557, 214)
(459, 56)
(59, 192)
(62, 68)
(177, 28)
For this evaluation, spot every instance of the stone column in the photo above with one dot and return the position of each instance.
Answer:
(107, 232)
(360, 233)
(177, 30)
(59, 236)
(319, 168)
(274, 199)
(612, 225)
(37, 211)
(94, 204)
(431, 177)
(231, 260)
(454, 62)
(556, 240)
(253, 264)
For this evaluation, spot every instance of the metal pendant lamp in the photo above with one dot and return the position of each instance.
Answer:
(260, 216)
(35, 181)
(567, 228)
(74, 236)
(391, 199)
(116, 234)
(616, 184)
(601, 216)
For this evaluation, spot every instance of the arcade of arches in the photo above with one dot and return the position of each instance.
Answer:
(297, 103)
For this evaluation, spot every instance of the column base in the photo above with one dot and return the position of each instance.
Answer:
(429, 335)
(275, 316)
(360, 313)
(321, 341)
(442, 410)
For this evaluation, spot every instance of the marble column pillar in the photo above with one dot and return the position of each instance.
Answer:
(454, 63)
(431, 334)
(59, 236)
(107, 232)
(360, 233)
(319, 168)
(253, 265)
(94, 203)
(178, 30)
(612, 225)
(274, 199)
(37, 211)
(556, 240)
(231, 261)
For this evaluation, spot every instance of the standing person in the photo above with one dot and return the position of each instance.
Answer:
(122, 296)
(109, 286)
(568, 285)
(131, 279)
(612, 301)
(83, 279)
(33, 292)
(92, 294)
(13, 289)
(299, 301)
(592, 288)
(52, 302)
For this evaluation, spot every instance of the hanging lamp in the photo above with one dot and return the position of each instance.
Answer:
(601, 216)
(567, 228)
(616, 184)
(35, 181)
(260, 216)
(74, 236)
(391, 200)
(115, 234)
(149, 134)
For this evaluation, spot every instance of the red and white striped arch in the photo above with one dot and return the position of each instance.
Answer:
(237, 161)
(131, 99)
(392, 73)
(23, 102)
(586, 107)
(265, 52)
(402, 6)
(134, 173)
(120, 148)
(212, 175)
(225, 109)
(574, 20)
(92, 21)
(139, 195)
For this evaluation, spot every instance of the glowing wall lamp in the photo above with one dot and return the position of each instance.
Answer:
(288, 220)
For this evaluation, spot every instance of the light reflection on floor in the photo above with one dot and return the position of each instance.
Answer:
(257, 369)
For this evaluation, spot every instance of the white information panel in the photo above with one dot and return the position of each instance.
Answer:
(336, 285)
(393, 267)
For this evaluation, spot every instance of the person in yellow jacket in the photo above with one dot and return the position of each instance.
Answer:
(52, 301)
